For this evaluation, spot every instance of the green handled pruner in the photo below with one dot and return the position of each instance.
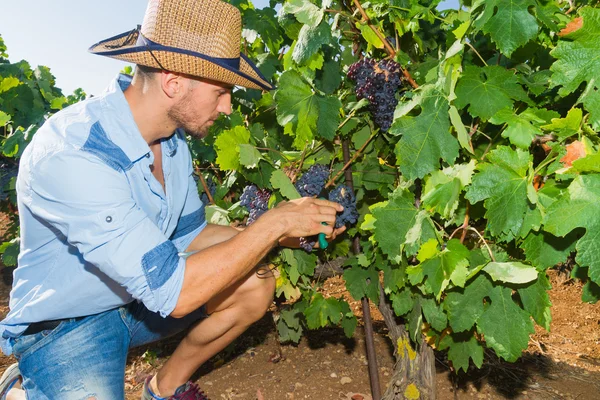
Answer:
(323, 243)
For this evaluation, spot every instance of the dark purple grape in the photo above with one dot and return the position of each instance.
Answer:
(312, 181)
(379, 83)
(343, 195)
(307, 244)
(256, 202)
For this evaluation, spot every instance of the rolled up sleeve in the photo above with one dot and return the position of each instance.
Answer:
(192, 220)
(91, 205)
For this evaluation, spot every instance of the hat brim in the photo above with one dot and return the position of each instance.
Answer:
(125, 47)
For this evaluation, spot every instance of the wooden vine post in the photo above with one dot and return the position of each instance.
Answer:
(369, 341)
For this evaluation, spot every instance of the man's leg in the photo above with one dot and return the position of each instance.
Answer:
(231, 313)
(83, 359)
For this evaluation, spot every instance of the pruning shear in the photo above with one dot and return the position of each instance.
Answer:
(323, 243)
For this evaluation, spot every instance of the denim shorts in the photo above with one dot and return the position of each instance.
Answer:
(85, 358)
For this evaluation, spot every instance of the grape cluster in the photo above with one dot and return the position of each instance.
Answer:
(343, 195)
(256, 201)
(307, 244)
(312, 181)
(378, 82)
(212, 188)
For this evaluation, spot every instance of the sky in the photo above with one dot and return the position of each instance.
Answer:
(58, 33)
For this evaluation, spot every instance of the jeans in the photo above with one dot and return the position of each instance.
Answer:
(85, 358)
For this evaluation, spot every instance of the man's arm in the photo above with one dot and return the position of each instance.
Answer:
(219, 265)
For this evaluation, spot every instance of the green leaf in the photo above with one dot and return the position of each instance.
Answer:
(579, 207)
(362, 282)
(440, 268)
(488, 90)
(321, 311)
(304, 11)
(465, 306)
(589, 163)
(590, 293)
(249, 156)
(311, 114)
(280, 181)
(228, 150)
(14, 145)
(402, 302)
(310, 41)
(545, 250)
(522, 128)
(509, 23)
(370, 36)
(566, 127)
(505, 326)
(434, 314)
(289, 327)
(578, 55)
(4, 118)
(10, 252)
(536, 301)
(462, 347)
(511, 272)
(8, 83)
(349, 321)
(443, 188)
(304, 262)
(394, 220)
(425, 138)
(502, 183)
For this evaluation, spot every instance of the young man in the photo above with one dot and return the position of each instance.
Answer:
(115, 250)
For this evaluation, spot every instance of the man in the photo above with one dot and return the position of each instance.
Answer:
(115, 250)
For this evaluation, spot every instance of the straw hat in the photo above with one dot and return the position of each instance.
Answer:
(198, 38)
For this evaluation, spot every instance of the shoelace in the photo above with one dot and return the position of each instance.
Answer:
(192, 392)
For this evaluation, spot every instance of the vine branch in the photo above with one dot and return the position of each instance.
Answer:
(354, 157)
(206, 189)
(388, 47)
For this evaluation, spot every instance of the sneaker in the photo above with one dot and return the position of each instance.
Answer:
(188, 391)
(8, 380)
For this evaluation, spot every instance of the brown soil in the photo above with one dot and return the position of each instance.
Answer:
(563, 364)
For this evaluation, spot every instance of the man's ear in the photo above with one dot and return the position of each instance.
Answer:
(171, 84)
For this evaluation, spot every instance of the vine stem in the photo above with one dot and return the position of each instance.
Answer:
(464, 227)
(350, 161)
(484, 242)
(206, 189)
(388, 47)
(476, 52)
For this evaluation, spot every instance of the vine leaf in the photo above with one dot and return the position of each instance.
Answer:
(322, 310)
(503, 183)
(398, 223)
(362, 282)
(228, 149)
(511, 272)
(443, 188)
(578, 61)
(488, 90)
(308, 113)
(506, 327)
(310, 40)
(545, 250)
(280, 181)
(465, 307)
(425, 138)
(566, 127)
(461, 347)
(579, 207)
(305, 12)
(536, 301)
(509, 23)
(522, 128)
(441, 266)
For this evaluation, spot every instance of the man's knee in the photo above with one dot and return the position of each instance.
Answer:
(257, 296)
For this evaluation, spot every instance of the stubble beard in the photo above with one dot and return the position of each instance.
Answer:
(181, 115)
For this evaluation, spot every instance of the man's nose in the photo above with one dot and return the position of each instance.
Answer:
(225, 104)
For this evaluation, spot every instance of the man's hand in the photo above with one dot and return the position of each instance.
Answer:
(303, 217)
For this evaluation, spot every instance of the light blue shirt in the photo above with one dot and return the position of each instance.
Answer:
(97, 229)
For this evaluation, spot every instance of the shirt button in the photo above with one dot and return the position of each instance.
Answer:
(148, 155)
(109, 219)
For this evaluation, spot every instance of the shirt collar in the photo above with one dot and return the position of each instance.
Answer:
(129, 139)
